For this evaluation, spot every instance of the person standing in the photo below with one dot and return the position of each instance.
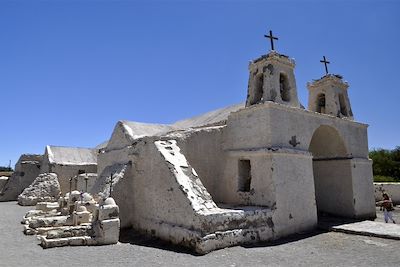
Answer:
(388, 208)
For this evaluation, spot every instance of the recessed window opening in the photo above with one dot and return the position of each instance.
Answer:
(321, 103)
(244, 175)
(258, 88)
(284, 87)
(342, 103)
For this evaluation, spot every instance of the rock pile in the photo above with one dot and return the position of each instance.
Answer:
(44, 188)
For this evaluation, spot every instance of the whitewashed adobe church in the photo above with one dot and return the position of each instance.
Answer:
(262, 172)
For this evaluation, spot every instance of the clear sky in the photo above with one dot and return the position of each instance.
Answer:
(69, 70)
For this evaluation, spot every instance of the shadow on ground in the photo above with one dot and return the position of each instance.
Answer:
(325, 223)
(135, 238)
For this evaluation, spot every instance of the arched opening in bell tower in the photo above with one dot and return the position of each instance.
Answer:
(258, 88)
(321, 102)
(284, 87)
(342, 103)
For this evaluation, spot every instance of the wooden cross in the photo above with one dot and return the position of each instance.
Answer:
(86, 181)
(110, 182)
(76, 182)
(325, 63)
(70, 185)
(272, 38)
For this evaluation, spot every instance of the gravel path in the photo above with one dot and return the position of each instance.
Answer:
(319, 249)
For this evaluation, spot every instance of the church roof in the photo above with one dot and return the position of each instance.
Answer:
(71, 155)
(208, 118)
(127, 131)
(140, 129)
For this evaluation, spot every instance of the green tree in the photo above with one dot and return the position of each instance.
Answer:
(5, 169)
(386, 162)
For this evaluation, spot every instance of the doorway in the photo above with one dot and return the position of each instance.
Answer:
(332, 173)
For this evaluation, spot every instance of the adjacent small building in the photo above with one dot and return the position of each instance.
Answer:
(26, 169)
(68, 163)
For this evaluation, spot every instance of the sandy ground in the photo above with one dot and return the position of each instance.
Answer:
(317, 249)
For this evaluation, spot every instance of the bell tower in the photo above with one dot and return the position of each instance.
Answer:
(328, 95)
(271, 78)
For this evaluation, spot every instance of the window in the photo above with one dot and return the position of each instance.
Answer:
(244, 175)
(81, 172)
(284, 87)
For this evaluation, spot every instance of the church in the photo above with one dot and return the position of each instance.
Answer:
(245, 174)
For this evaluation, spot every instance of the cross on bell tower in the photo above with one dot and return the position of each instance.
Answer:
(272, 38)
(325, 63)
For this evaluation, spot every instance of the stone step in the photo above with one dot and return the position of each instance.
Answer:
(70, 241)
(370, 228)
(64, 231)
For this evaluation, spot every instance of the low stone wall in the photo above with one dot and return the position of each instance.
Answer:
(393, 189)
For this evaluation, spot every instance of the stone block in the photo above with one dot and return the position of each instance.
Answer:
(107, 231)
(47, 206)
(77, 241)
(108, 212)
(51, 243)
(81, 217)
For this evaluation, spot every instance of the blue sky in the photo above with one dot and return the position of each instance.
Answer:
(69, 70)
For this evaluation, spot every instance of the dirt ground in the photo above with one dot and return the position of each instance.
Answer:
(315, 249)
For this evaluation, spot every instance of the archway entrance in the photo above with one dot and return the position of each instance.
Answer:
(332, 173)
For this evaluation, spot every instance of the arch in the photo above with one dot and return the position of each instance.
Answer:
(321, 103)
(284, 87)
(343, 107)
(332, 172)
(326, 142)
(258, 88)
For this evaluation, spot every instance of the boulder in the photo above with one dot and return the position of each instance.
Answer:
(44, 188)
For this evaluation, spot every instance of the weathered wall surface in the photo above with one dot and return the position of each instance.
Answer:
(162, 194)
(274, 126)
(333, 187)
(295, 202)
(363, 188)
(3, 182)
(111, 157)
(65, 172)
(26, 170)
(281, 124)
(281, 179)
(262, 187)
(203, 149)
(88, 180)
(157, 194)
(393, 189)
